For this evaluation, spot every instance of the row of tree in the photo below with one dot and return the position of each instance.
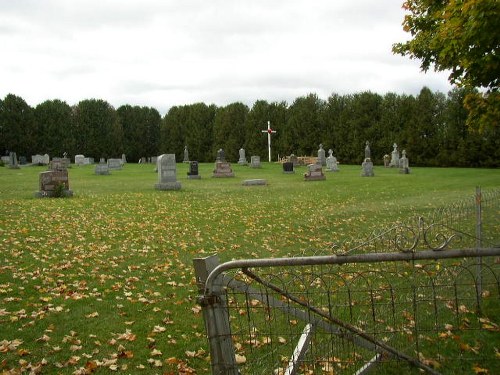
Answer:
(430, 126)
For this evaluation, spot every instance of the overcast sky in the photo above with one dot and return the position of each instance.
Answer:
(164, 53)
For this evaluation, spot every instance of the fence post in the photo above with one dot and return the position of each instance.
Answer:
(216, 318)
(479, 244)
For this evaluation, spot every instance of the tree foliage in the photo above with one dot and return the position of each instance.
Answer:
(457, 35)
(432, 127)
(55, 128)
(460, 36)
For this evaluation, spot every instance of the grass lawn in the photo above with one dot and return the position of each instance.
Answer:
(103, 281)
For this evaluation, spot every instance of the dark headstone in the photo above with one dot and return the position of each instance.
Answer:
(193, 170)
(288, 167)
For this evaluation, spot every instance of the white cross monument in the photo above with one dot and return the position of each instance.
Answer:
(269, 131)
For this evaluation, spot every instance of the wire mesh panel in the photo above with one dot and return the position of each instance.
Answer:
(423, 295)
(397, 314)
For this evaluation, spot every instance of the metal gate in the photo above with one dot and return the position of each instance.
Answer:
(418, 296)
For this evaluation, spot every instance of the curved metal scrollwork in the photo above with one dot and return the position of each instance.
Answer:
(405, 237)
(438, 237)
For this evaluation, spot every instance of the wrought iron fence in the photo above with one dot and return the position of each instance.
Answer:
(422, 295)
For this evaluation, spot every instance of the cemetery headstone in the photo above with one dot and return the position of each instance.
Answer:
(288, 167)
(54, 182)
(387, 160)
(58, 164)
(254, 182)
(404, 164)
(294, 159)
(115, 164)
(193, 172)
(167, 173)
(243, 159)
(124, 159)
(255, 161)
(22, 160)
(13, 164)
(186, 155)
(314, 173)
(332, 164)
(102, 168)
(222, 169)
(154, 159)
(79, 159)
(37, 159)
(367, 168)
(368, 153)
(221, 156)
(321, 156)
(394, 157)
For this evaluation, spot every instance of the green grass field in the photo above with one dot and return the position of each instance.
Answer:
(103, 281)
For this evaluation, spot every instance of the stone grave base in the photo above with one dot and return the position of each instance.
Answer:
(168, 186)
(194, 176)
(51, 194)
(222, 169)
(404, 171)
(222, 175)
(102, 169)
(314, 178)
(254, 182)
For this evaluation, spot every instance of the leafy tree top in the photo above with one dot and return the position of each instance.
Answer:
(457, 35)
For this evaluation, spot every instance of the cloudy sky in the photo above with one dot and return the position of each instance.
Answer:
(164, 53)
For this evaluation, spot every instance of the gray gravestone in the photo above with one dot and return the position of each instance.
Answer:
(115, 164)
(255, 161)
(404, 164)
(321, 156)
(167, 173)
(102, 168)
(37, 159)
(294, 159)
(243, 159)
(186, 155)
(368, 153)
(124, 159)
(367, 168)
(314, 173)
(79, 159)
(13, 164)
(193, 172)
(394, 157)
(58, 164)
(254, 182)
(331, 162)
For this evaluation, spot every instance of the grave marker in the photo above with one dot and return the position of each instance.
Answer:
(331, 162)
(193, 171)
(288, 167)
(167, 173)
(314, 173)
(255, 161)
(243, 159)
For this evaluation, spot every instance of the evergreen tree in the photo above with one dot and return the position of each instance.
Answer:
(229, 130)
(17, 127)
(98, 132)
(54, 119)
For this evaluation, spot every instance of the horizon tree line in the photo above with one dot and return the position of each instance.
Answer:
(431, 126)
